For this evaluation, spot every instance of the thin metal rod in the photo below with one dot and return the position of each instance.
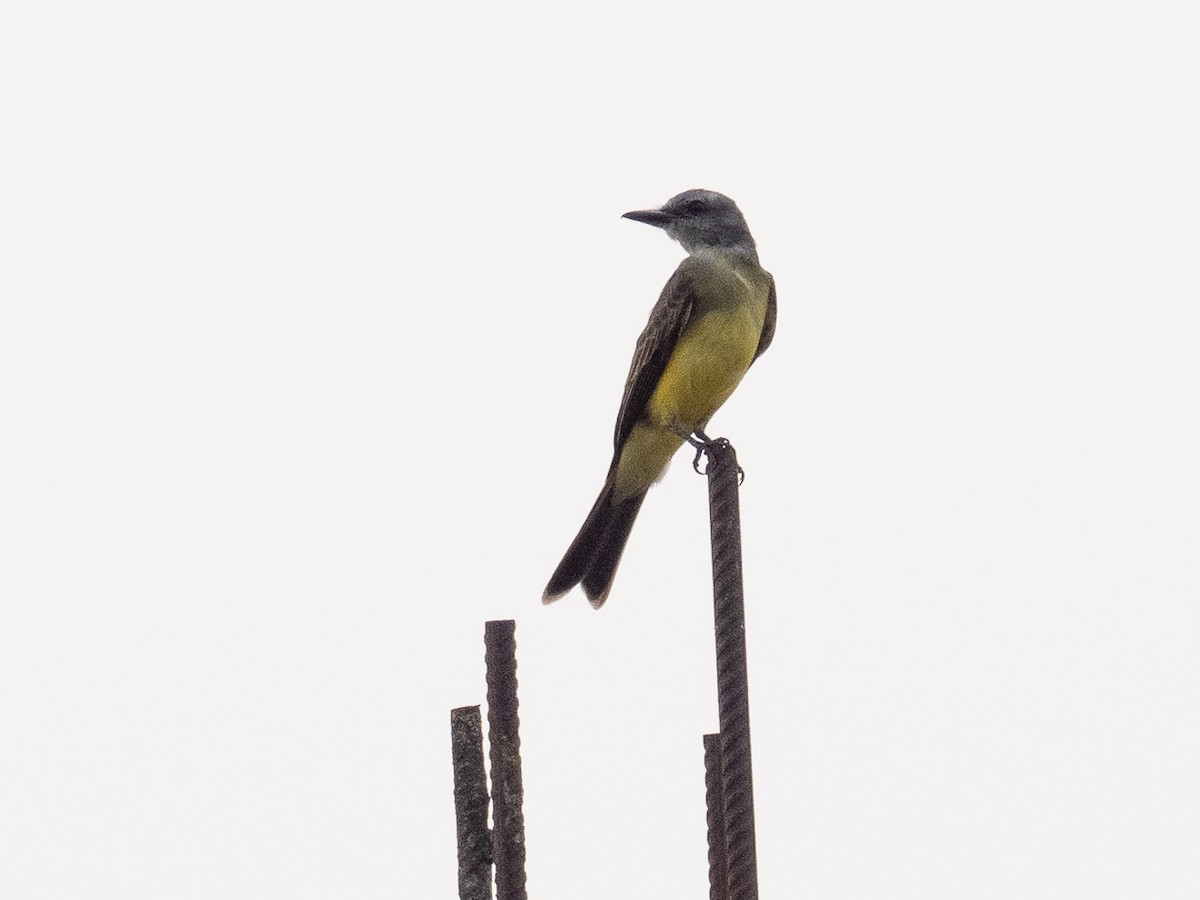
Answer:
(504, 740)
(717, 877)
(471, 805)
(733, 692)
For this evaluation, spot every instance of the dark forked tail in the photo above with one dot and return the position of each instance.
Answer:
(594, 555)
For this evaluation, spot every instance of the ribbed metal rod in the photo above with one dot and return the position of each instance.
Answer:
(471, 805)
(733, 692)
(504, 741)
(715, 804)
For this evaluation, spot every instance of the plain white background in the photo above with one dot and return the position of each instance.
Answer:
(315, 322)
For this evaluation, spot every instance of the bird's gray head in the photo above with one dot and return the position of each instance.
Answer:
(699, 219)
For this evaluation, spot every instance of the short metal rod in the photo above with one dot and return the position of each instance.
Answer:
(733, 692)
(471, 805)
(504, 741)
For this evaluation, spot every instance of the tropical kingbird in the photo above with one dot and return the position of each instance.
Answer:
(715, 316)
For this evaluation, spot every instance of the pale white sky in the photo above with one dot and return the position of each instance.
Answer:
(315, 322)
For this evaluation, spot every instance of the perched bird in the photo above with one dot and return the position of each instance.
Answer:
(715, 316)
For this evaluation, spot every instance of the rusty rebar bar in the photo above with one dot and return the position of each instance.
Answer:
(715, 804)
(733, 692)
(504, 740)
(471, 805)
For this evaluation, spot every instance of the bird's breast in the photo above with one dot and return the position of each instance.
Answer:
(709, 360)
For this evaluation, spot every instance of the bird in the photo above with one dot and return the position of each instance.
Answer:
(713, 319)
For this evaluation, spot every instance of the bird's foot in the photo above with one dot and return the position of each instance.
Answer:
(702, 442)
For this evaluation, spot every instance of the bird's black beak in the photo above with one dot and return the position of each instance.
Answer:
(655, 217)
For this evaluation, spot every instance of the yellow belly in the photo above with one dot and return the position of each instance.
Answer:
(709, 361)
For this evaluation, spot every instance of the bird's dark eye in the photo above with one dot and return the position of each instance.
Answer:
(695, 207)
